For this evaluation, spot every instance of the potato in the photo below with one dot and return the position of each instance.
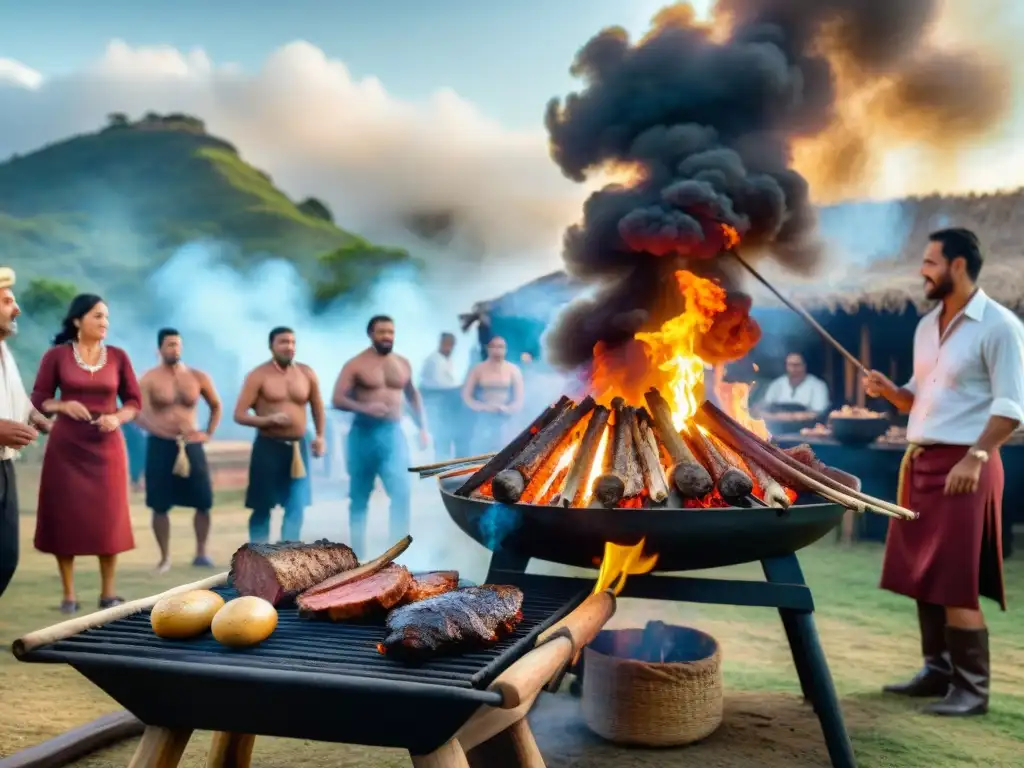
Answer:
(185, 615)
(244, 621)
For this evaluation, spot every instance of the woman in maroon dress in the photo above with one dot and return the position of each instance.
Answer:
(83, 490)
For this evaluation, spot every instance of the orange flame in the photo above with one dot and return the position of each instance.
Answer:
(621, 561)
(666, 359)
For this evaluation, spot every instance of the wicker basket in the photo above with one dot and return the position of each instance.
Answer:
(657, 687)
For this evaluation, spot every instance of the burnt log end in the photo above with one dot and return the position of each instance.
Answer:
(609, 489)
(734, 484)
(508, 486)
(692, 480)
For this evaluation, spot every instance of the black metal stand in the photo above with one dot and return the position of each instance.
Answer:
(784, 588)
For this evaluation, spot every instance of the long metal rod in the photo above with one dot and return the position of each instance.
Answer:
(802, 312)
(452, 462)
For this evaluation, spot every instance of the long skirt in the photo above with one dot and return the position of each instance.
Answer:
(83, 492)
(952, 554)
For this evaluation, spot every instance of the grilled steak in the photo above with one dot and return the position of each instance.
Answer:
(430, 584)
(367, 596)
(453, 621)
(279, 572)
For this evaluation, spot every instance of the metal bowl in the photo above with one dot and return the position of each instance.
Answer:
(857, 431)
(685, 539)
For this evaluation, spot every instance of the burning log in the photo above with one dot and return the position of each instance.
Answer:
(774, 495)
(575, 489)
(789, 470)
(650, 458)
(688, 475)
(732, 483)
(503, 457)
(622, 477)
(508, 484)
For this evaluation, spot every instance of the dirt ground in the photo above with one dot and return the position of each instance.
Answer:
(868, 636)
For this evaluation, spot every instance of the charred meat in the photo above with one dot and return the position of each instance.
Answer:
(279, 572)
(366, 597)
(431, 584)
(454, 621)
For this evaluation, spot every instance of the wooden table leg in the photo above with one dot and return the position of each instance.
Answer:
(514, 747)
(230, 750)
(450, 755)
(160, 748)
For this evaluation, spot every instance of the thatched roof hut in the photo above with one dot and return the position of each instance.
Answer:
(889, 286)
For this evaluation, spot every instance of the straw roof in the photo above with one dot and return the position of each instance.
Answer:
(882, 276)
(538, 299)
(892, 286)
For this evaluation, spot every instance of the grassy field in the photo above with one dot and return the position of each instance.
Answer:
(869, 638)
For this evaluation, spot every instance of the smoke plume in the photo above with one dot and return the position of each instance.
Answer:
(709, 119)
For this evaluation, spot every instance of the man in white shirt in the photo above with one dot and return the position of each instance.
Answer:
(440, 393)
(965, 399)
(17, 417)
(796, 388)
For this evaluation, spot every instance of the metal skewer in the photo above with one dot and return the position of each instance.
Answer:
(803, 313)
(452, 462)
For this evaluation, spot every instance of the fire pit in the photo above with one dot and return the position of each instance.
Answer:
(635, 490)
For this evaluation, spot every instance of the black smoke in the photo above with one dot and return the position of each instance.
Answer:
(707, 117)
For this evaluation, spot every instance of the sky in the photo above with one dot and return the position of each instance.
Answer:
(390, 107)
(507, 58)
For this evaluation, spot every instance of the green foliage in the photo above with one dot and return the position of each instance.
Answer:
(317, 209)
(102, 211)
(353, 264)
(44, 296)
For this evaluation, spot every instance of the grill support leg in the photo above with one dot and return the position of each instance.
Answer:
(810, 662)
(514, 747)
(230, 750)
(450, 755)
(160, 748)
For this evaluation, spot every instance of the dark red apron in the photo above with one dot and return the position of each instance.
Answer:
(953, 553)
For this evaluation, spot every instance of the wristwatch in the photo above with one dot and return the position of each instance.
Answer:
(978, 454)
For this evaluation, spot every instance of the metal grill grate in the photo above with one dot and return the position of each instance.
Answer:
(322, 647)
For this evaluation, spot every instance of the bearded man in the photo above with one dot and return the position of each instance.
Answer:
(177, 473)
(274, 399)
(20, 425)
(965, 399)
(373, 385)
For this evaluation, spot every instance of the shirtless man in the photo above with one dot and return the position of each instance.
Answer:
(372, 385)
(170, 393)
(278, 392)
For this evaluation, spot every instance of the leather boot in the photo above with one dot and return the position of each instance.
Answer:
(968, 692)
(934, 678)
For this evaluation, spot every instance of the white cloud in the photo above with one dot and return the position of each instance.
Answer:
(14, 73)
(305, 120)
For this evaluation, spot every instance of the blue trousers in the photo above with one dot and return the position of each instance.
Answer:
(376, 448)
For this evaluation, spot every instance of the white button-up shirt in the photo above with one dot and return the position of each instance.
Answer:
(975, 372)
(14, 402)
(811, 393)
(437, 372)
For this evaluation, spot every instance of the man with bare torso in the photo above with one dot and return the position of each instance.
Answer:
(278, 393)
(177, 474)
(374, 385)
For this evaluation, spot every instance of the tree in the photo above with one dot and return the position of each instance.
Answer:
(315, 208)
(118, 120)
(346, 268)
(45, 297)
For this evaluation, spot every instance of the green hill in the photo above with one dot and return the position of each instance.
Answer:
(103, 210)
